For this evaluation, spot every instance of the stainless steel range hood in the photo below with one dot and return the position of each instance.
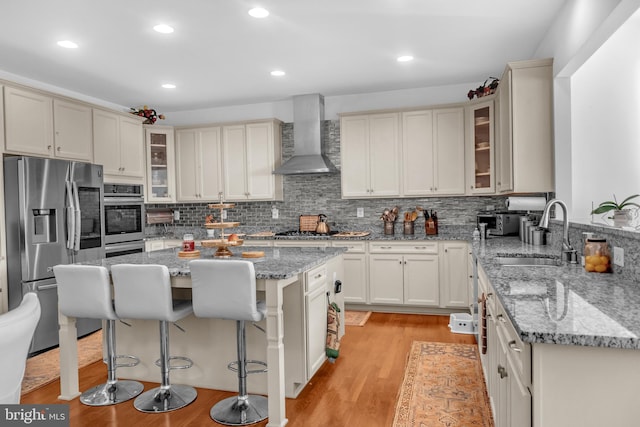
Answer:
(308, 135)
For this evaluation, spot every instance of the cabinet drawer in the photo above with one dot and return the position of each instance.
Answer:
(316, 278)
(302, 243)
(354, 247)
(518, 352)
(261, 243)
(403, 247)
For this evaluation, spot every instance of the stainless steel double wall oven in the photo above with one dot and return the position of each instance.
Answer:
(124, 216)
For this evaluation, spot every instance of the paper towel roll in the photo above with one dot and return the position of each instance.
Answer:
(525, 203)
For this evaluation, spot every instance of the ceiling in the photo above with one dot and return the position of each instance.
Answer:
(220, 56)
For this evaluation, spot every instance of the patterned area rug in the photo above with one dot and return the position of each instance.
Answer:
(356, 318)
(443, 386)
(45, 367)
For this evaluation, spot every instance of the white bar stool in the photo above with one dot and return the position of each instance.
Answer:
(144, 292)
(85, 291)
(226, 289)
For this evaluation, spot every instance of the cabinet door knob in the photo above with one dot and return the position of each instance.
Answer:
(502, 372)
(48, 147)
(59, 148)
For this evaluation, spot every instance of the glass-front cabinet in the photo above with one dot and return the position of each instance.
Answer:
(480, 148)
(160, 186)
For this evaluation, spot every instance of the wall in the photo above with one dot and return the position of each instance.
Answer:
(315, 194)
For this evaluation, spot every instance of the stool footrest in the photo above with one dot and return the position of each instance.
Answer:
(187, 365)
(233, 366)
(134, 361)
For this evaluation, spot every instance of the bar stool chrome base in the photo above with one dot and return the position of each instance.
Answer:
(110, 394)
(161, 399)
(240, 410)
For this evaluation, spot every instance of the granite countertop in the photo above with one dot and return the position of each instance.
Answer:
(278, 263)
(565, 304)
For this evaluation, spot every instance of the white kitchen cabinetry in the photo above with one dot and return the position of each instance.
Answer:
(354, 285)
(199, 164)
(118, 145)
(251, 153)
(525, 95)
(480, 148)
(404, 273)
(433, 152)
(302, 243)
(370, 155)
(161, 180)
(454, 279)
(159, 244)
(506, 364)
(41, 125)
(315, 301)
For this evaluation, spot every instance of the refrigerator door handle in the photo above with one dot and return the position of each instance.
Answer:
(71, 218)
(78, 216)
(45, 287)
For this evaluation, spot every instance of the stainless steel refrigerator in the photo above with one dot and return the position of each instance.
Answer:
(54, 216)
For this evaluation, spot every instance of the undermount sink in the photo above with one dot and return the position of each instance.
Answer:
(516, 261)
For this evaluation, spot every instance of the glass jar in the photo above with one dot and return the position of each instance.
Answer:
(188, 245)
(597, 257)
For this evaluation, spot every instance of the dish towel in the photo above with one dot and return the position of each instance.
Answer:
(333, 325)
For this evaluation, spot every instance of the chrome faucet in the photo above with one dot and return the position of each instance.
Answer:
(569, 254)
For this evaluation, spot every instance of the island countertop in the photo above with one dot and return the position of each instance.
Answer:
(278, 262)
(565, 304)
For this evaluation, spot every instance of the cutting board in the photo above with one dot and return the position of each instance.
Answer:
(189, 254)
(309, 222)
(253, 254)
(352, 234)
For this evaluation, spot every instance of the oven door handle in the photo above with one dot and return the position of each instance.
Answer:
(118, 201)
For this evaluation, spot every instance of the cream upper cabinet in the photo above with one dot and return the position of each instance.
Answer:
(417, 153)
(504, 159)
(480, 148)
(251, 152)
(45, 126)
(28, 120)
(433, 152)
(118, 145)
(160, 151)
(370, 155)
(199, 164)
(2, 146)
(73, 128)
(526, 120)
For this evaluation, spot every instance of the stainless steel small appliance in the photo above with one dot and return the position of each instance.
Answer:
(500, 223)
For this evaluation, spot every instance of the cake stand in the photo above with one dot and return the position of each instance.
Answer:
(223, 243)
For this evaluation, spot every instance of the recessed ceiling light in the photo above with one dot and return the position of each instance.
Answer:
(405, 58)
(169, 86)
(278, 73)
(163, 28)
(259, 12)
(68, 44)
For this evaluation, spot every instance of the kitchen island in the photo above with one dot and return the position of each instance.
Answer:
(282, 281)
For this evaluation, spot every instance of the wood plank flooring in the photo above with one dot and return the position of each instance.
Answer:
(359, 390)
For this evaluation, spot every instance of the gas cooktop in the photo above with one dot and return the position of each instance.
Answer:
(296, 233)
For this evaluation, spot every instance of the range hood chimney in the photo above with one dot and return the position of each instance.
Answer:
(308, 133)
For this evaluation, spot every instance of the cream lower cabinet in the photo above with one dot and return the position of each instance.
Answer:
(315, 301)
(198, 164)
(404, 273)
(354, 285)
(370, 155)
(454, 277)
(118, 145)
(506, 364)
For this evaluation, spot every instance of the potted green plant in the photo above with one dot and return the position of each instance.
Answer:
(621, 216)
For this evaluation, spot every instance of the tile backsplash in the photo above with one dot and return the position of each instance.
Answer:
(315, 194)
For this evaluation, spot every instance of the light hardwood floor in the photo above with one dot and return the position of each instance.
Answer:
(359, 390)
